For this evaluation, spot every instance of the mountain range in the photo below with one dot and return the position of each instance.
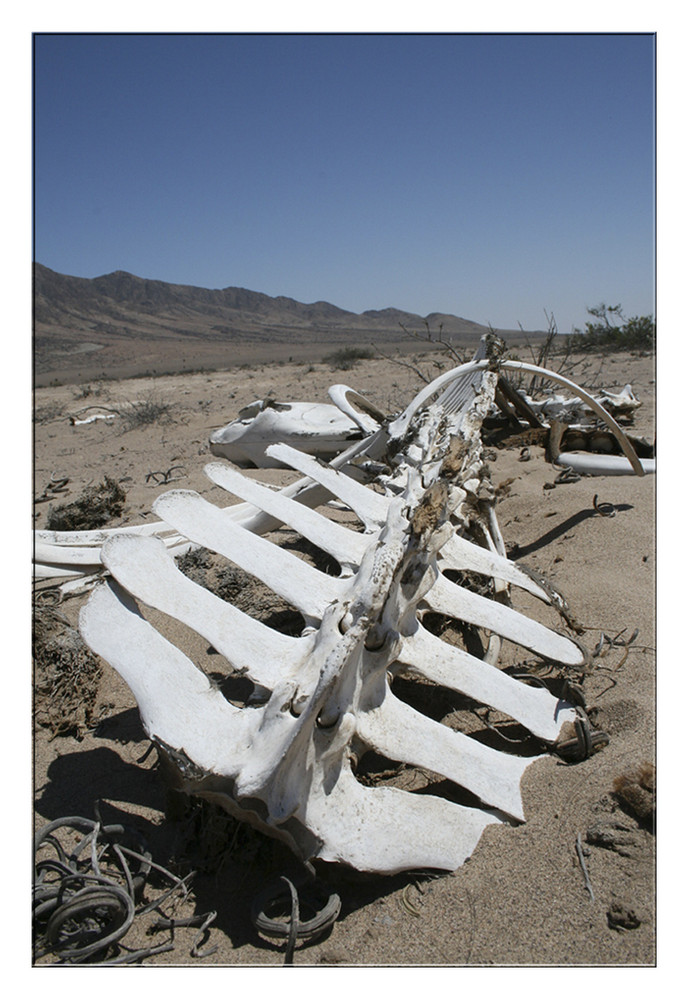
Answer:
(119, 324)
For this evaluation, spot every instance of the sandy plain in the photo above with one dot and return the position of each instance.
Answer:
(521, 899)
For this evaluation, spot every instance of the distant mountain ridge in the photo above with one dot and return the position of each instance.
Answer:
(61, 297)
(128, 320)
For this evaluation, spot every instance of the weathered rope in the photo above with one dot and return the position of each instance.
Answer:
(80, 913)
(283, 891)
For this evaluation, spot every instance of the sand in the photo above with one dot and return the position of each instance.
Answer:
(522, 899)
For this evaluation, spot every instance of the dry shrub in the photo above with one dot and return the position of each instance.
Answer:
(195, 563)
(66, 676)
(345, 358)
(49, 411)
(143, 412)
(94, 508)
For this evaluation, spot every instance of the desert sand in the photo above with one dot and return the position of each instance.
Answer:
(522, 898)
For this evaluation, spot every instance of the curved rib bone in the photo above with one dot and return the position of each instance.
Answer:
(287, 764)
(145, 568)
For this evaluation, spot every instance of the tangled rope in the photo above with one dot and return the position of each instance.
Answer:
(604, 509)
(267, 912)
(585, 742)
(85, 899)
(568, 475)
(166, 477)
(55, 486)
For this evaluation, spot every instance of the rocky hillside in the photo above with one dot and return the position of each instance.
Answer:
(120, 324)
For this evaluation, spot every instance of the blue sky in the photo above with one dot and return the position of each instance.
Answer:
(491, 176)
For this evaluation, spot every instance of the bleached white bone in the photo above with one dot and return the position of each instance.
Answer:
(77, 422)
(348, 547)
(359, 409)
(188, 712)
(400, 733)
(319, 428)
(174, 697)
(290, 577)
(467, 556)
(444, 596)
(399, 427)
(625, 400)
(482, 770)
(145, 568)
(459, 671)
(465, 605)
(371, 508)
(554, 405)
(286, 765)
(589, 464)
(342, 543)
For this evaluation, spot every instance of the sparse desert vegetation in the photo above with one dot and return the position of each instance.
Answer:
(346, 358)
(97, 506)
(613, 332)
(142, 412)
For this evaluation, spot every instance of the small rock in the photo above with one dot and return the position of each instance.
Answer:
(622, 916)
(636, 789)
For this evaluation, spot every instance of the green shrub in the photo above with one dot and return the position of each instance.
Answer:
(613, 332)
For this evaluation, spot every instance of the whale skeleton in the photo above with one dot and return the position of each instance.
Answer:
(425, 533)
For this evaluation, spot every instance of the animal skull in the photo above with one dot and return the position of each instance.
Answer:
(319, 429)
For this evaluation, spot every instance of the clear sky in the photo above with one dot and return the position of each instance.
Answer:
(491, 176)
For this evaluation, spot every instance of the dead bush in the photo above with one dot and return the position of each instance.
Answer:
(346, 357)
(49, 411)
(195, 564)
(94, 508)
(66, 676)
(143, 412)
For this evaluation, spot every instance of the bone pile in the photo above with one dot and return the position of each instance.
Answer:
(286, 761)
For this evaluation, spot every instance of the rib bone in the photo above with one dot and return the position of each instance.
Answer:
(290, 765)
